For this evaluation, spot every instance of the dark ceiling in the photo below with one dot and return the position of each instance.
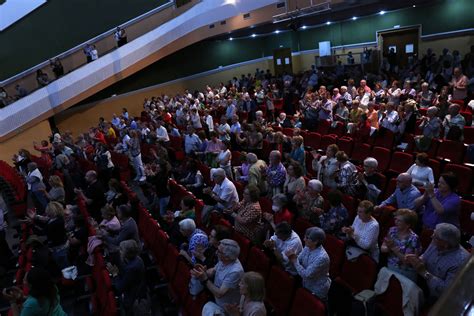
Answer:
(338, 12)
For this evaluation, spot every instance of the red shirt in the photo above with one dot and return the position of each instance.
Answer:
(100, 137)
(283, 216)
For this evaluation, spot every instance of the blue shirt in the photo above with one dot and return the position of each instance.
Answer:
(403, 199)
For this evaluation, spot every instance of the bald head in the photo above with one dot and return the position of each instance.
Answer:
(404, 181)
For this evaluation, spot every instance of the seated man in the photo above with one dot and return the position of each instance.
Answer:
(441, 261)
(94, 195)
(405, 194)
(224, 193)
(227, 274)
(284, 239)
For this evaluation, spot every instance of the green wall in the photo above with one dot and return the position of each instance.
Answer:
(59, 25)
(442, 16)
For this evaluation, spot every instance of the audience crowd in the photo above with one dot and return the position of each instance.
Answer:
(243, 148)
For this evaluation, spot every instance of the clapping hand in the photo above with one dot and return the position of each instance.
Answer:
(291, 254)
(232, 309)
(429, 189)
(348, 230)
(416, 263)
(270, 244)
(13, 294)
(113, 270)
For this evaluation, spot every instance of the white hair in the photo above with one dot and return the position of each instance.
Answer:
(252, 158)
(315, 185)
(215, 172)
(448, 233)
(371, 162)
(187, 224)
(230, 249)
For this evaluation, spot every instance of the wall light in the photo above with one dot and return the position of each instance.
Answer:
(277, 31)
(382, 12)
(354, 18)
(254, 35)
(304, 27)
(328, 23)
(231, 39)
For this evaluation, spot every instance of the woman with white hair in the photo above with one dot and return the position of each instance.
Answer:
(197, 240)
(312, 264)
(425, 96)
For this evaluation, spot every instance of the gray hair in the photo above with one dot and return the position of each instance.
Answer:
(230, 249)
(315, 234)
(32, 165)
(425, 84)
(448, 233)
(252, 158)
(315, 185)
(217, 172)
(432, 110)
(371, 162)
(187, 224)
(129, 248)
(280, 199)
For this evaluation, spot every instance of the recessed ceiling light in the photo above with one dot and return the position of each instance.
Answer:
(354, 18)
(328, 23)
(277, 31)
(254, 35)
(304, 27)
(414, 5)
(382, 12)
(231, 39)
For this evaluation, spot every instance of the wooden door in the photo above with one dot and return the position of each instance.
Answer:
(282, 61)
(403, 41)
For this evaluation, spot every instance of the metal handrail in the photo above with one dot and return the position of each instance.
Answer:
(79, 47)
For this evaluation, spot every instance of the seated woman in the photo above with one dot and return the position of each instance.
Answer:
(248, 214)
(364, 232)
(42, 299)
(337, 216)
(242, 172)
(363, 129)
(110, 223)
(294, 180)
(346, 179)
(310, 202)
(441, 205)
(420, 172)
(400, 241)
(252, 289)
(196, 239)
(56, 193)
(52, 225)
(281, 212)
(115, 196)
(312, 264)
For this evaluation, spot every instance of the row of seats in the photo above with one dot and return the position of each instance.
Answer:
(99, 283)
(294, 300)
(15, 187)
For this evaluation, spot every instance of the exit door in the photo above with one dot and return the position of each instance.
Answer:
(282, 61)
(403, 42)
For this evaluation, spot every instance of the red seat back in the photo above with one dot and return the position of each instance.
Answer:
(280, 290)
(383, 157)
(464, 175)
(359, 274)
(451, 150)
(258, 261)
(336, 251)
(467, 225)
(400, 162)
(391, 301)
(306, 304)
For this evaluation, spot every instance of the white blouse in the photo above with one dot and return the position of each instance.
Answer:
(421, 175)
